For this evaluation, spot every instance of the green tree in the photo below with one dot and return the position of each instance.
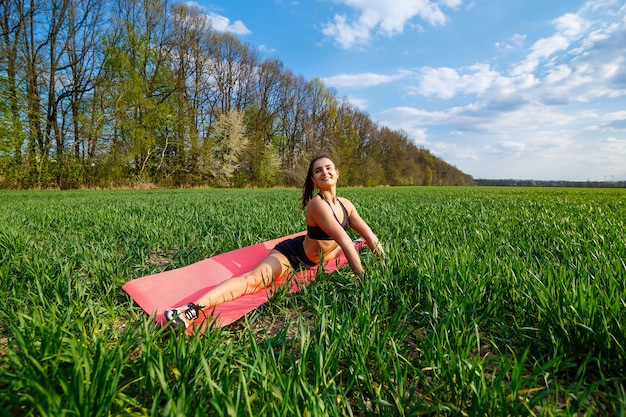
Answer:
(11, 96)
(191, 38)
(230, 142)
(140, 86)
(262, 161)
(146, 90)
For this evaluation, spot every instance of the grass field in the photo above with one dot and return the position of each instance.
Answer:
(493, 301)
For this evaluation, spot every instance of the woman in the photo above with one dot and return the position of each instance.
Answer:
(327, 218)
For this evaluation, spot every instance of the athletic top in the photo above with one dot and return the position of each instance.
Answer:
(316, 232)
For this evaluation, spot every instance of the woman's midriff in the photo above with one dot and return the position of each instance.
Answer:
(315, 249)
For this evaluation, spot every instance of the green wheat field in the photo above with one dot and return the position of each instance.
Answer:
(492, 302)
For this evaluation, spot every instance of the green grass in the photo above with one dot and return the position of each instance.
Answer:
(493, 301)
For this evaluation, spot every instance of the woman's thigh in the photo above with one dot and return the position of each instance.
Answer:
(274, 266)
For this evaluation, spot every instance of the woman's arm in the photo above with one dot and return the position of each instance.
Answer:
(361, 227)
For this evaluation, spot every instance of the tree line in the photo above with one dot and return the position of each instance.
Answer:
(549, 183)
(98, 93)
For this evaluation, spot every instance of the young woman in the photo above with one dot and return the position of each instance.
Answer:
(327, 218)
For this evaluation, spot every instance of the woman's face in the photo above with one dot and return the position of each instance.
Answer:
(324, 173)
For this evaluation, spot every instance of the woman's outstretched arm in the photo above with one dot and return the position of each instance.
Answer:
(362, 228)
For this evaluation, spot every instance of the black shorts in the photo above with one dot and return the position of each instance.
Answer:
(293, 249)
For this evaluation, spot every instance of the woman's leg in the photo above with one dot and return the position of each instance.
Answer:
(262, 276)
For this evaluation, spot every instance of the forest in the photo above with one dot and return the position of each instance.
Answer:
(101, 94)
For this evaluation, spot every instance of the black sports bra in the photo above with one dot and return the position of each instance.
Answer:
(316, 232)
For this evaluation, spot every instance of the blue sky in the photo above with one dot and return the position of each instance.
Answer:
(526, 89)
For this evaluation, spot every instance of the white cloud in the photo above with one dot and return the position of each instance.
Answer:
(615, 146)
(557, 74)
(454, 151)
(346, 34)
(615, 116)
(407, 118)
(518, 39)
(367, 79)
(541, 147)
(545, 47)
(608, 155)
(447, 82)
(453, 4)
(387, 17)
(555, 71)
(266, 49)
(223, 24)
(542, 49)
(504, 148)
(515, 42)
(358, 102)
(571, 25)
(543, 117)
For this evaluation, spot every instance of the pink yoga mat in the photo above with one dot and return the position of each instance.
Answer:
(158, 292)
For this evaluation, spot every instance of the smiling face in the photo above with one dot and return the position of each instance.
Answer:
(325, 173)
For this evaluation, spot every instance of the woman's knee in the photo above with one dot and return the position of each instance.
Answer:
(258, 279)
(253, 283)
(264, 275)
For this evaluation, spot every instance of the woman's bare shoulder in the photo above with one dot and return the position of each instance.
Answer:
(314, 206)
(347, 203)
(314, 203)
